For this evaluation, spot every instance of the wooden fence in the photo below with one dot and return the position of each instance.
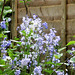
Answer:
(59, 14)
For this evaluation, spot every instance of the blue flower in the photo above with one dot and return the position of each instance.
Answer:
(45, 25)
(17, 72)
(3, 25)
(34, 16)
(37, 70)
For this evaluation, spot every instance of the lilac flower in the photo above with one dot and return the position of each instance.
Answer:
(52, 66)
(35, 63)
(73, 48)
(5, 43)
(25, 61)
(37, 70)
(39, 42)
(73, 65)
(34, 16)
(45, 25)
(6, 58)
(9, 19)
(22, 26)
(3, 25)
(17, 72)
(60, 73)
(23, 38)
(17, 28)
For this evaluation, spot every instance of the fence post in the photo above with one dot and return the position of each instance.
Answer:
(64, 29)
(14, 19)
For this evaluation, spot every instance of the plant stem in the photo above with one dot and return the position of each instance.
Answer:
(26, 7)
(2, 10)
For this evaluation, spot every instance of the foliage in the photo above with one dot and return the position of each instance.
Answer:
(32, 44)
(7, 9)
(25, 56)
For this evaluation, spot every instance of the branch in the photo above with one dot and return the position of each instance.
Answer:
(26, 7)
(2, 10)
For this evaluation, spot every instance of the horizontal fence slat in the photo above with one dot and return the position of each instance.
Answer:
(40, 3)
(44, 11)
(36, 3)
(70, 11)
(70, 1)
(49, 12)
(70, 38)
(71, 27)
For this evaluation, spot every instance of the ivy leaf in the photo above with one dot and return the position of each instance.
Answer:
(71, 43)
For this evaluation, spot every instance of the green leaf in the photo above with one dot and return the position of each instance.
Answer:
(59, 50)
(71, 43)
(72, 59)
(13, 49)
(2, 62)
(58, 64)
(21, 1)
(0, 71)
(2, 65)
(69, 51)
(8, 71)
(74, 36)
(6, 31)
(28, 0)
(10, 53)
(1, 35)
(7, 7)
(58, 56)
(49, 62)
(49, 71)
(66, 64)
(16, 39)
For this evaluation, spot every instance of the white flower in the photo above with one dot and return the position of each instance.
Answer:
(7, 58)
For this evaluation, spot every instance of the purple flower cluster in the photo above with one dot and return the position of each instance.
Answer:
(34, 39)
(17, 72)
(37, 70)
(3, 25)
(4, 45)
